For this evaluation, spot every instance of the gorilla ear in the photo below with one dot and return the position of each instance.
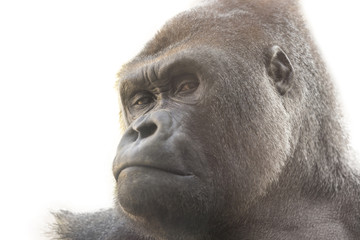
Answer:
(280, 70)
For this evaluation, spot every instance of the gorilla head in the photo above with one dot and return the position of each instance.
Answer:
(232, 132)
(216, 106)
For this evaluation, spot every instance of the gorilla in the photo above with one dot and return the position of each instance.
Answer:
(233, 131)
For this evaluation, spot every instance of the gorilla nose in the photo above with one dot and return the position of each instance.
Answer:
(145, 127)
(145, 137)
(157, 124)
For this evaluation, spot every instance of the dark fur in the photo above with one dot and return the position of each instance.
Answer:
(260, 140)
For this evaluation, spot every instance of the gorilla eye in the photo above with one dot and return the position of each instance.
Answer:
(188, 86)
(144, 100)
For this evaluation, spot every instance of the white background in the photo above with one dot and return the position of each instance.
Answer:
(58, 108)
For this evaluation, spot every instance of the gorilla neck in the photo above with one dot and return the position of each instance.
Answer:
(312, 194)
(285, 215)
(165, 229)
(321, 163)
(282, 216)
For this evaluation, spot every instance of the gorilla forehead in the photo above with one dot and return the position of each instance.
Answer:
(197, 60)
(202, 27)
(226, 24)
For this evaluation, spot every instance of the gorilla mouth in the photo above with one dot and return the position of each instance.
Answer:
(162, 169)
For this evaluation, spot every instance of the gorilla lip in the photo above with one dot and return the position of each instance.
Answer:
(171, 171)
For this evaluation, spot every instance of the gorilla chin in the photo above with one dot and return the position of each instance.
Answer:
(149, 193)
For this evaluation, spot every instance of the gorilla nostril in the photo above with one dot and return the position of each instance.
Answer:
(147, 130)
(132, 136)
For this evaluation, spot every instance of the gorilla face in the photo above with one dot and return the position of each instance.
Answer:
(203, 137)
(161, 165)
(160, 169)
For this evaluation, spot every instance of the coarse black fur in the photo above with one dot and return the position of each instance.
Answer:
(233, 131)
